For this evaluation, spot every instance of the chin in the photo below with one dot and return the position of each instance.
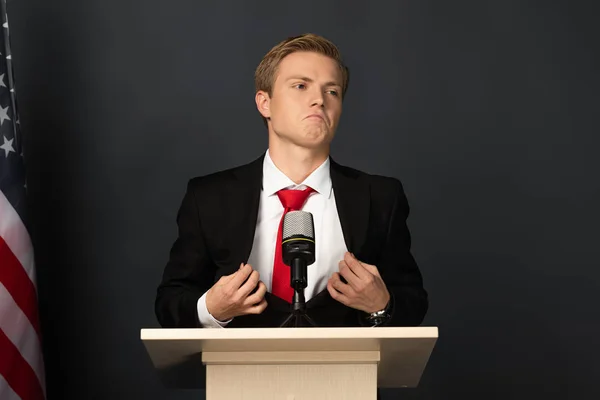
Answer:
(315, 142)
(310, 138)
(316, 134)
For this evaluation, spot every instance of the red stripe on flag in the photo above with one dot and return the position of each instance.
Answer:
(18, 284)
(17, 372)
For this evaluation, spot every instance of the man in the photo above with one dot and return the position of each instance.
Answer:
(225, 269)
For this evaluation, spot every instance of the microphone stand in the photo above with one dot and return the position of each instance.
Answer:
(298, 306)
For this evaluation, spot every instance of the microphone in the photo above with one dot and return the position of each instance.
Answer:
(298, 251)
(298, 246)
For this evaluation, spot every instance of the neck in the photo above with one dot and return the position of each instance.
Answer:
(297, 163)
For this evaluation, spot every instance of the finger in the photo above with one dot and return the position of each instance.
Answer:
(340, 286)
(347, 273)
(227, 278)
(250, 284)
(257, 296)
(337, 295)
(368, 267)
(241, 275)
(372, 269)
(259, 308)
(356, 266)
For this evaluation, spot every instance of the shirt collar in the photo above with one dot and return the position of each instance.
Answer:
(275, 180)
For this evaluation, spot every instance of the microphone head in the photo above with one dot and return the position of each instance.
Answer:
(298, 237)
(298, 223)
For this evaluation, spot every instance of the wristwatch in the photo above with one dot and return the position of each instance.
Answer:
(380, 317)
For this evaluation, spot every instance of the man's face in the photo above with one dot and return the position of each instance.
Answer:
(306, 103)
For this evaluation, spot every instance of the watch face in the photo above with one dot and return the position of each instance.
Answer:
(378, 315)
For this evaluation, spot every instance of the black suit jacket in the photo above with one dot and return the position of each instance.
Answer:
(217, 220)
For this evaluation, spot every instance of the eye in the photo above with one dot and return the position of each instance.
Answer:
(333, 92)
(300, 86)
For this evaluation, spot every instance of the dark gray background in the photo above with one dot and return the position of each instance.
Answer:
(486, 110)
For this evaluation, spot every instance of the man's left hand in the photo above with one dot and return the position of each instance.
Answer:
(365, 289)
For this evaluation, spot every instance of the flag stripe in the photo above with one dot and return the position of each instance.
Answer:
(16, 237)
(6, 392)
(20, 332)
(18, 372)
(21, 361)
(18, 284)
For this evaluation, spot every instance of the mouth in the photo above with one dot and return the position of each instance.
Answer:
(316, 116)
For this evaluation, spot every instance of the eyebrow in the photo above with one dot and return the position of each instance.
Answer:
(307, 79)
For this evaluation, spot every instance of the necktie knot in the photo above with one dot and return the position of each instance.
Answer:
(293, 200)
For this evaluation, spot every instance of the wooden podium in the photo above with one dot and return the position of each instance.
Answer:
(297, 363)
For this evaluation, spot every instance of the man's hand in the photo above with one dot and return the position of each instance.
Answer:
(365, 289)
(230, 296)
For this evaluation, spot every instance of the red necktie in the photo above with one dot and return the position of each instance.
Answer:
(292, 200)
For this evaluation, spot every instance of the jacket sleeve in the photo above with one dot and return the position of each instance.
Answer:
(399, 269)
(189, 272)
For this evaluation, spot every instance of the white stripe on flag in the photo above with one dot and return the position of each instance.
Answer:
(16, 326)
(6, 393)
(16, 237)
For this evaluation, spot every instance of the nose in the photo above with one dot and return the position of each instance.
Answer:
(318, 98)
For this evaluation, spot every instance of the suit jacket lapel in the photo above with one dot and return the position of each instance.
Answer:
(244, 206)
(352, 197)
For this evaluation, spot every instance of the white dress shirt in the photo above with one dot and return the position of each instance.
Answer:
(329, 239)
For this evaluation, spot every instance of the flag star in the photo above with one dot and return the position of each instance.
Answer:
(2, 81)
(7, 146)
(3, 115)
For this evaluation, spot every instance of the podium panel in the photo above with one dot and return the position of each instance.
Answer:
(296, 363)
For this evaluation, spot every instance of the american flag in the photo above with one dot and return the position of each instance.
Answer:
(21, 362)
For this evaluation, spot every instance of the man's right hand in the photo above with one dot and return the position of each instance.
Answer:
(230, 296)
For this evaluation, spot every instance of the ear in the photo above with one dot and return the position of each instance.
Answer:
(263, 102)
